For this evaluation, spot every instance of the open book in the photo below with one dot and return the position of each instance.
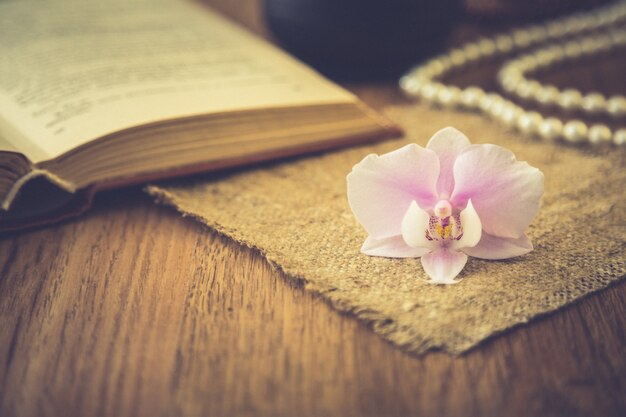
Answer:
(96, 95)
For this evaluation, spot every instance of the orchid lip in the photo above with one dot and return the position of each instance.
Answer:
(444, 227)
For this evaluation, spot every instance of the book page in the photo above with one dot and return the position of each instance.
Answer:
(73, 71)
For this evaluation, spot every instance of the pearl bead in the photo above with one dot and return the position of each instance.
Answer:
(488, 101)
(487, 47)
(547, 95)
(557, 51)
(436, 66)
(472, 96)
(570, 99)
(573, 50)
(457, 56)
(575, 131)
(604, 42)
(528, 89)
(472, 51)
(537, 33)
(498, 106)
(578, 24)
(545, 58)
(521, 38)
(510, 115)
(504, 43)
(410, 85)
(556, 29)
(448, 96)
(588, 46)
(599, 134)
(619, 137)
(551, 129)
(619, 37)
(528, 63)
(616, 106)
(429, 91)
(529, 122)
(593, 102)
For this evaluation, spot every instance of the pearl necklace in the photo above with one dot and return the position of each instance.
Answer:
(421, 82)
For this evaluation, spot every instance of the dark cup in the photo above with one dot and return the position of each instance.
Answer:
(362, 38)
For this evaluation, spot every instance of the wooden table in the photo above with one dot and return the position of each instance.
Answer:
(132, 310)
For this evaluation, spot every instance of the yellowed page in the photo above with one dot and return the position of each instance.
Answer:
(73, 71)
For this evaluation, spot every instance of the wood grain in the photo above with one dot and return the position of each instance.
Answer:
(132, 311)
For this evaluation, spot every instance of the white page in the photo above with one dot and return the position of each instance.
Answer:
(73, 71)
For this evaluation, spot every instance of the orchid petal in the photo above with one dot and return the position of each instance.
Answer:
(443, 265)
(504, 191)
(414, 226)
(381, 188)
(448, 143)
(493, 247)
(391, 247)
(472, 228)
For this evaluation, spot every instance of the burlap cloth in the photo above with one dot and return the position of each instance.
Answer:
(296, 213)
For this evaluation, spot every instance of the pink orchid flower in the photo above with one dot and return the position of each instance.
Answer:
(445, 202)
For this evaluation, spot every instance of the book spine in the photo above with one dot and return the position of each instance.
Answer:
(9, 196)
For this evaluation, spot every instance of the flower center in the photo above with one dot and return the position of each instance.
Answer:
(443, 208)
(444, 225)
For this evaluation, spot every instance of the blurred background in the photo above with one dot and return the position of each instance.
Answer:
(367, 45)
(371, 39)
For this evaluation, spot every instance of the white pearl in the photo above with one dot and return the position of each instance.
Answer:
(599, 134)
(573, 50)
(537, 33)
(457, 56)
(567, 27)
(427, 72)
(588, 46)
(488, 101)
(410, 85)
(570, 99)
(529, 122)
(618, 37)
(521, 38)
(449, 96)
(510, 115)
(556, 29)
(545, 57)
(616, 106)
(557, 51)
(578, 23)
(498, 106)
(487, 47)
(547, 95)
(429, 91)
(528, 63)
(510, 83)
(528, 89)
(593, 102)
(604, 42)
(504, 43)
(472, 96)
(551, 129)
(472, 51)
(575, 131)
(437, 66)
(510, 76)
(619, 137)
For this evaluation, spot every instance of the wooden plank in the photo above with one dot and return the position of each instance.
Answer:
(132, 311)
